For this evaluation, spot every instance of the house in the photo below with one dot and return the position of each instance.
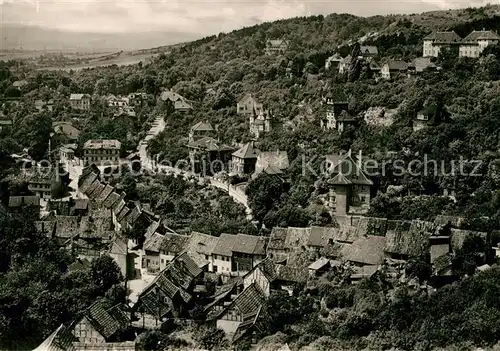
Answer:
(243, 317)
(392, 68)
(126, 111)
(343, 120)
(80, 101)
(40, 182)
(19, 202)
(137, 99)
(66, 153)
(249, 105)
(368, 51)
(264, 275)
(271, 162)
(421, 64)
(200, 130)
(5, 126)
(66, 130)
(41, 105)
(333, 62)
(178, 102)
(243, 160)
(344, 64)
(209, 156)
(117, 101)
(222, 254)
(284, 241)
(474, 44)
(203, 245)
(101, 152)
(365, 251)
(171, 291)
(276, 47)
(374, 67)
(434, 42)
(424, 117)
(319, 267)
(247, 251)
(261, 123)
(409, 239)
(171, 245)
(119, 252)
(182, 106)
(350, 186)
(334, 107)
(99, 325)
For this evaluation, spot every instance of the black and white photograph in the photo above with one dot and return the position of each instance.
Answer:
(236, 175)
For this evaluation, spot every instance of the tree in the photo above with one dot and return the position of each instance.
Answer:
(105, 273)
(12, 92)
(265, 193)
(210, 338)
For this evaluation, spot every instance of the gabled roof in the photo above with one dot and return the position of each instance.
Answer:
(319, 264)
(153, 243)
(397, 65)
(209, 144)
(420, 64)
(224, 245)
(320, 236)
(367, 250)
(202, 127)
(345, 116)
(174, 243)
(247, 151)
(249, 98)
(480, 35)
(249, 244)
(79, 96)
(369, 49)
(171, 95)
(272, 162)
(106, 322)
(19, 201)
(444, 37)
(408, 238)
(181, 104)
(201, 243)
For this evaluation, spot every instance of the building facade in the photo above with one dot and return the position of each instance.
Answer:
(101, 152)
(80, 101)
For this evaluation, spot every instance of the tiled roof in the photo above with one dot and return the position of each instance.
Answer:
(170, 95)
(272, 162)
(202, 127)
(268, 268)
(119, 246)
(107, 322)
(201, 243)
(181, 104)
(95, 144)
(480, 35)
(408, 238)
(224, 245)
(78, 96)
(249, 244)
(372, 50)
(111, 200)
(174, 243)
(154, 243)
(248, 301)
(19, 201)
(368, 250)
(247, 151)
(277, 238)
(320, 263)
(108, 189)
(320, 236)
(182, 270)
(397, 65)
(444, 37)
(209, 144)
(459, 236)
(420, 64)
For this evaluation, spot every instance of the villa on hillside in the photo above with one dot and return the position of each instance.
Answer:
(334, 107)
(260, 124)
(80, 101)
(200, 130)
(249, 105)
(471, 46)
(276, 47)
(392, 68)
(244, 159)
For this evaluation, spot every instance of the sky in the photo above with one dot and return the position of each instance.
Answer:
(200, 17)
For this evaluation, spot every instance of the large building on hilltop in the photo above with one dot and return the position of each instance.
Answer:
(470, 46)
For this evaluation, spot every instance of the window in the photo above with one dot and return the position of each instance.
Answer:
(363, 199)
(206, 257)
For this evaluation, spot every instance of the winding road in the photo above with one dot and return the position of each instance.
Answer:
(158, 126)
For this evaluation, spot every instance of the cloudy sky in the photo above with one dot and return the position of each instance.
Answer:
(195, 16)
